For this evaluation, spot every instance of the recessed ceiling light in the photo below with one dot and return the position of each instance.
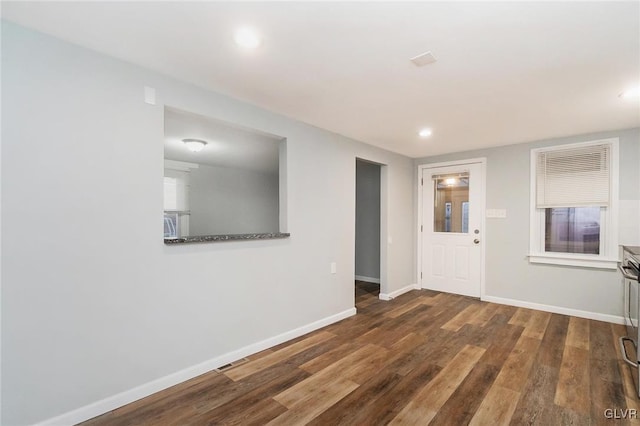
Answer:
(194, 145)
(630, 93)
(425, 133)
(248, 38)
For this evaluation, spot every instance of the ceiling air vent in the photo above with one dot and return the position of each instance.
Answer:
(423, 59)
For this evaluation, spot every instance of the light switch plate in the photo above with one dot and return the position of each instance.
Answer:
(149, 95)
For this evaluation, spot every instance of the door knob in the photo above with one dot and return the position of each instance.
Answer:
(476, 241)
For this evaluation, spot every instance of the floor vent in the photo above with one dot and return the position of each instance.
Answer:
(229, 366)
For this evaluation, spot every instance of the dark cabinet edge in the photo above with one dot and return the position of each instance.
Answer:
(227, 237)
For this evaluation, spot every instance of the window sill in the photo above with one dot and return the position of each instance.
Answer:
(568, 260)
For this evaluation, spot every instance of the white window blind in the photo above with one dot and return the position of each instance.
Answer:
(574, 177)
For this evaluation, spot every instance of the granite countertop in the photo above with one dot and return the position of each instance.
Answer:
(634, 250)
(227, 237)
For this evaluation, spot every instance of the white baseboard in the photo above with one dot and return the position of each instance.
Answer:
(111, 403)
(556, 309)
(367, 279)
(396, 293)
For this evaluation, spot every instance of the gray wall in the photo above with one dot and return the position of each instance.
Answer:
(93, 302)
(367, 219)
(508, 272)
(227, 200)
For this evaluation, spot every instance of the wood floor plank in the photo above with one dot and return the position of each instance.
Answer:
(552, 346)
(252, 407)
(437, 299)
(409, 352)
(497, 407)
(461, 406)
(536, 406)
(174, 395)
(483, 315)
(503, 314)
(409, 320)
(422, 357)
(521, 317)
(403, 309)
(425, 405)
(537, 324)
(303, 410)
(320, 362)
(439, 315)
(578, 333)
(169, 406)
(347, 410)
(344, 369)
(441, 349)
(208, 401)
(355, 365)
(375, 336)
(390, 403)
(566, 416)
(604, 393)
(260, 354)
(573, 389)
(266, 361)
(456, 323)
(515, 371)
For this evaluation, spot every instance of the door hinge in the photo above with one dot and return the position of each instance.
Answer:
(420, 275)
(422, 181)
(420, 228)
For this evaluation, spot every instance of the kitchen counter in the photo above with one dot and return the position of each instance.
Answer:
(227, 237)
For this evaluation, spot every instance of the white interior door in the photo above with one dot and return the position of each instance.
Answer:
(452, 203)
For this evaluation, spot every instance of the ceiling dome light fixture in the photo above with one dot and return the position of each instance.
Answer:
(194, 145)
(630, 93)
(425, 133)
(248, 38)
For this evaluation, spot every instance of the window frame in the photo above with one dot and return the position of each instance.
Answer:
(181, 171)
(609, 253)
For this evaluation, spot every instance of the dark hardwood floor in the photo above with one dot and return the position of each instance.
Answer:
(422, 358)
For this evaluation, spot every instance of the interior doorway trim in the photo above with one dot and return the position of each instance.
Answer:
(384, 217)
(419, 217)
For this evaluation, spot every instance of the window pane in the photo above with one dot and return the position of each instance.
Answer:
(572, 230)
(170, 225)
(465, 217)
(451, 204)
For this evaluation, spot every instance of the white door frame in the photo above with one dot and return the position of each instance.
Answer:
(483, 192)
(384, 217)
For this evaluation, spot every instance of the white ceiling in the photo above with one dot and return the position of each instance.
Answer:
(507, 72)
(227, 145)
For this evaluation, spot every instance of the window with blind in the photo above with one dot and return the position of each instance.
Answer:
(573, 204)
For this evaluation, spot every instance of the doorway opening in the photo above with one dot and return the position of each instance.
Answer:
(370, 222)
